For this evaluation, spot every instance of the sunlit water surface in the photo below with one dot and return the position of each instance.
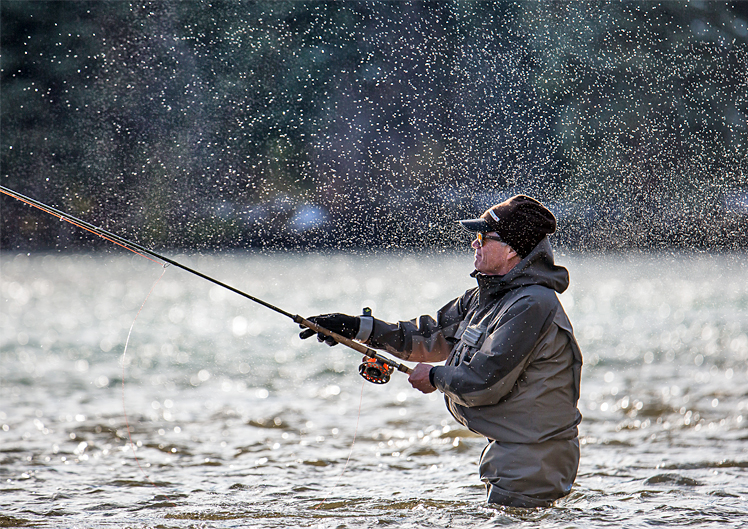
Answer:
(235, 422)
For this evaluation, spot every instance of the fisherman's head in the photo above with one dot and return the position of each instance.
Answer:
(508, 232)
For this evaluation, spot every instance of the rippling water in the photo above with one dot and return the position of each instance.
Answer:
(235, 422)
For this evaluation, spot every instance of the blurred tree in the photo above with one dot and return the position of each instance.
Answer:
(652, 110)
(210, 124)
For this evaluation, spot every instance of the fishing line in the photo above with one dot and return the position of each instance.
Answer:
(66, 218)
(141, 250)
(124, 410)
(123, 244)
(377, 369)
(350, 453)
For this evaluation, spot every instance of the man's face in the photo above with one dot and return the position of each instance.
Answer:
(494, 257)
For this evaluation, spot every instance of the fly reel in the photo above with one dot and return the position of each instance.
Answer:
(375, 370)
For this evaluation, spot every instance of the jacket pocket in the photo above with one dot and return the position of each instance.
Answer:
(471, 340)
(473, 335)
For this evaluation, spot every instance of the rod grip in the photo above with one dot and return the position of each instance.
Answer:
(353, 344)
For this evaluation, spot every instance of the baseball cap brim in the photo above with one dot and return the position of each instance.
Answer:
(476, 225)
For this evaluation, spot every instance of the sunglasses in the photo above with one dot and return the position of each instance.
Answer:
(482, 238)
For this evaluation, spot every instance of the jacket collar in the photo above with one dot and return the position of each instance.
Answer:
(537, 268)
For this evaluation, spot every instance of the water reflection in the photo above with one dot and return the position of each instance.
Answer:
(236, 420)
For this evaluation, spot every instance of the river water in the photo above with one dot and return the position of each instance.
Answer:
(235, 422)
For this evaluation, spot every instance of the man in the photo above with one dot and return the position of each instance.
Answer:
(512, 363)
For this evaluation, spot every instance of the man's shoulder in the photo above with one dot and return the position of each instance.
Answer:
(534, 294)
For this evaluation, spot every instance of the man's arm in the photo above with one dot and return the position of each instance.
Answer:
(424, 339)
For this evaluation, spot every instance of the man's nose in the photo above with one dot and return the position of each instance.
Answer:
(475, 244)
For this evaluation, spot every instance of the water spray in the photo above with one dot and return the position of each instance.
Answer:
(378, 367)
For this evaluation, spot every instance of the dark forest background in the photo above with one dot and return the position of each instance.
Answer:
(195, 124)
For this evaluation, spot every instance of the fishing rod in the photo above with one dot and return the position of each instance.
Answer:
(375, 368)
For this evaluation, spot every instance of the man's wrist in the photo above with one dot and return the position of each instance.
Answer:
(365, 326)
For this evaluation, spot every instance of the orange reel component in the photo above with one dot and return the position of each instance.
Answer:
(375, 371)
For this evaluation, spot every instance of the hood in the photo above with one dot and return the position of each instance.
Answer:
(537, 268)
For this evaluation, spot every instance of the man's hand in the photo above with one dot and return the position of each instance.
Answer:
(419, 378)
(342, 324)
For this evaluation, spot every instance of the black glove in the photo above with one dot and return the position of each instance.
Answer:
(342, 324)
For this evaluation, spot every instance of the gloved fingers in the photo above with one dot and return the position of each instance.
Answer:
(339, 323)
(326, 339)
(314, 319)
(306, 333)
